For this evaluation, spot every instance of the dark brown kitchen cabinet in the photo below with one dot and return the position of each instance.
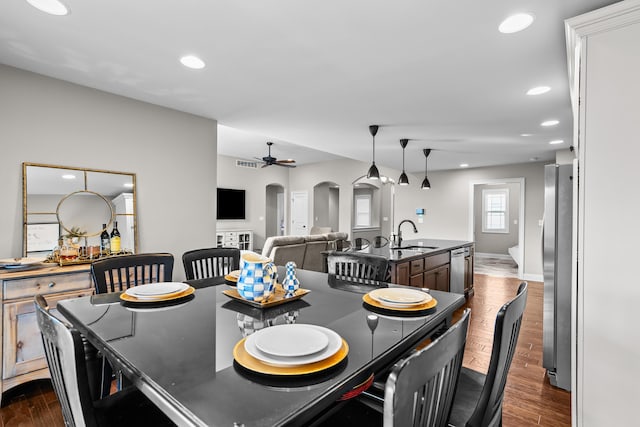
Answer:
(437, 278)
(400, 273)
(430, 271)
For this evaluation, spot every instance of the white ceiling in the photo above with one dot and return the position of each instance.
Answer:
(317, 74)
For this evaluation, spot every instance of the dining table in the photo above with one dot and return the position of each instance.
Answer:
(181, 356)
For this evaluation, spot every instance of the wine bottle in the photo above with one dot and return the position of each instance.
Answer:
(105, 241)
(115, 238)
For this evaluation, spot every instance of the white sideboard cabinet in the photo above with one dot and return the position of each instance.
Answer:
(241, 239)
(22, 352)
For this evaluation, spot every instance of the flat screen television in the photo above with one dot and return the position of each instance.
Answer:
(230, 204)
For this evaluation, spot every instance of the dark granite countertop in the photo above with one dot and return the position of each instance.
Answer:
(415, 248)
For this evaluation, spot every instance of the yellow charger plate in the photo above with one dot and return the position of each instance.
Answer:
(232, 276)
(249, 362)
(162, 298)
(414, 308)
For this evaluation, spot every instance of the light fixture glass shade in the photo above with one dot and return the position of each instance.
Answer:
(425, 184)
(373, 172)
(404, 179)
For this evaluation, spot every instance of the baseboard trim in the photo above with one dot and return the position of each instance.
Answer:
(534, 277)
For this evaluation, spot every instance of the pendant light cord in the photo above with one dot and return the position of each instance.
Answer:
(402, 159)
(374, 150)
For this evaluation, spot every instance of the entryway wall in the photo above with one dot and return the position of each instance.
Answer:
(475, 192)
(497, 243)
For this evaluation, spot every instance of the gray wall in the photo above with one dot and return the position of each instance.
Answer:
(496, 243)
(173, 154)
(321, 205)
(334, 208)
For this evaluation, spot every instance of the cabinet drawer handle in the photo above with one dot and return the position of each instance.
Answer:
(51, 284)
(19, 345)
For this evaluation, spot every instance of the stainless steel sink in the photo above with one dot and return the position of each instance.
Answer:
(429, 248)
(415, 248)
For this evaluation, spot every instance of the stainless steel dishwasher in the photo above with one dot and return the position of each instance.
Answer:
(456, 282)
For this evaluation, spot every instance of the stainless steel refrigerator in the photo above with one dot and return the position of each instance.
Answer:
(557, 242)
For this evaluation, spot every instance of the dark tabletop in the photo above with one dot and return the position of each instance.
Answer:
(183, 353)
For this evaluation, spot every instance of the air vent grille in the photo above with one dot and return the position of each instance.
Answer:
(246, 164)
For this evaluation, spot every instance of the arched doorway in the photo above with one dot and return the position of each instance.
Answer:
(326, 205)
(274, 211)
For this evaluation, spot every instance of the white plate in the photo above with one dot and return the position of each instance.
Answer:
(156, 290)
(19, 262)
(335, 343)
(291, 340)
(400, 297)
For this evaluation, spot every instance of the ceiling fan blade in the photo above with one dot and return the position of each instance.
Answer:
(286, 165)
(286, 161)
(266, 164)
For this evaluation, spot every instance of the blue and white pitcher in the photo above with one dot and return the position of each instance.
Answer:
(257, 277)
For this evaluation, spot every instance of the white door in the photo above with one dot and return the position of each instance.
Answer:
(299, 213)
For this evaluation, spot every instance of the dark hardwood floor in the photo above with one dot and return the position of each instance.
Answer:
(529, 398)
(31, 404)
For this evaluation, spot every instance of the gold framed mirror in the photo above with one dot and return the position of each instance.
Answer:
(63, 201)
(82, 205)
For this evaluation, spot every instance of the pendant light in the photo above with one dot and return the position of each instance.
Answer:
(404, 179)
(373, 170)
(425, 182)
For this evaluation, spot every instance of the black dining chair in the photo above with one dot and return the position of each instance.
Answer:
(419, 390)
(210, 262)
(64, 350)
(380, 242)
(357, 266)
(478, 400)
(120, 273)
(360, 243)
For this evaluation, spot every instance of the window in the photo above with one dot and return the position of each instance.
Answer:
(363, 210)
(495, 211)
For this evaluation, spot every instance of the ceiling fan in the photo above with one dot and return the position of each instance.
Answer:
(269, 160)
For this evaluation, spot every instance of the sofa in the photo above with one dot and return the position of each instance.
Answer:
(305, 251)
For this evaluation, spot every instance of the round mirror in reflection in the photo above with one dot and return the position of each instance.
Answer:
(82, 213)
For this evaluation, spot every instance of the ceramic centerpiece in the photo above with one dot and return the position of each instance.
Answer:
(257, 277)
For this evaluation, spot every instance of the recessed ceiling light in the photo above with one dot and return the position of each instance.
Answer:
(549, 123)
(68, 176)
(52, 7)
(464, 165)
(525, 134)
(515, 23)
(538, 90)
(556, 141)
(191, 61)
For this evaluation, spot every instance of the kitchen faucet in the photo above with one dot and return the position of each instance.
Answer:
(415, 230)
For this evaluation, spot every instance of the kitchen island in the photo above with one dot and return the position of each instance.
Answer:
(445, 265)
